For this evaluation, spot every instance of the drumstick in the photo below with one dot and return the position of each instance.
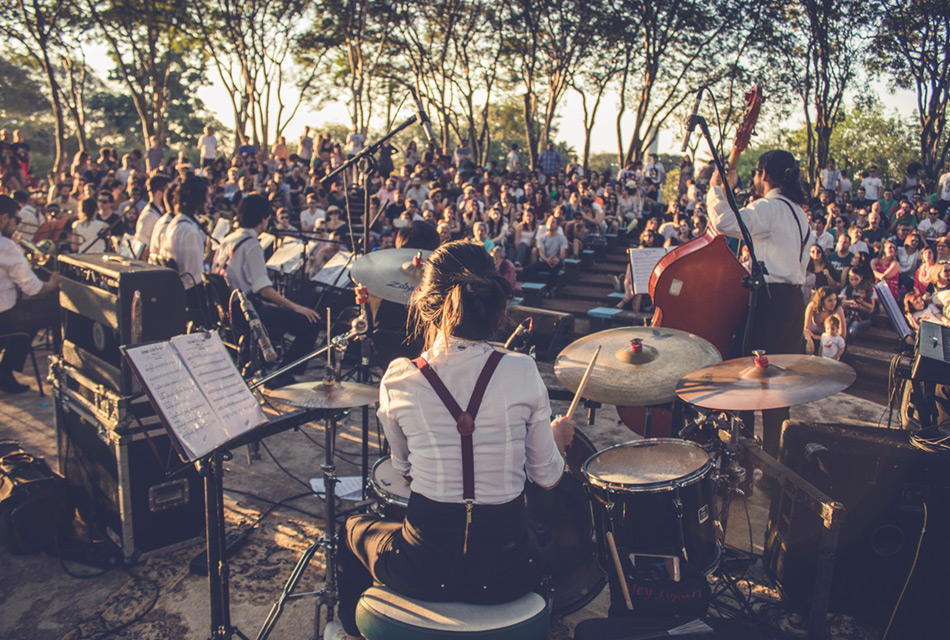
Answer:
(580, 387)
(619, 568)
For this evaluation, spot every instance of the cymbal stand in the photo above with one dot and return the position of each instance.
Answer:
(728, 436)
(328, 595)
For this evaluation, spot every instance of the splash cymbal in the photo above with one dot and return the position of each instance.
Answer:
(630, 375)
(769, 382)
(390, 274)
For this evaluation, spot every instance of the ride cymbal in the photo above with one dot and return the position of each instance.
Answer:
(390, 274)
(630, 375)
(765, 382)
(317, 395)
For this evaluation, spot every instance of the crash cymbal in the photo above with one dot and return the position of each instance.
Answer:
(627, 377)
(770, 382)
(390, 274)
(317, 395)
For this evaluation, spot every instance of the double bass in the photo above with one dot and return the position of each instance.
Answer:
(697, 287)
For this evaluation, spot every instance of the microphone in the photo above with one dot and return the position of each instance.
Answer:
(519, 334)
(257, 329)
(689, 123)
(422, 117)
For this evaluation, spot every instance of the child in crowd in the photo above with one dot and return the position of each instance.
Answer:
(832, 344)
(917, 310)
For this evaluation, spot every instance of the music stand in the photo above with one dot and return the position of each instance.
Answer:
(197, 392)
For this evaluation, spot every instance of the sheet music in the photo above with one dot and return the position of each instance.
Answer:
(289, 257)
(221, 229)
(642, 262)
(177, 396)
(266, 240)
(209, 363)
(336, 272)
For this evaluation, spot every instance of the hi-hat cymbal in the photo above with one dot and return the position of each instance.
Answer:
(391, 273)
(781, 380)
(623, 376)
(317, 395)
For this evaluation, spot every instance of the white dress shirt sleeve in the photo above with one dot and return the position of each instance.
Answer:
(543, 462)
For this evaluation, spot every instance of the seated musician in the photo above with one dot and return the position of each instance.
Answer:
(240, 259)
(26, 303)
(465, 537)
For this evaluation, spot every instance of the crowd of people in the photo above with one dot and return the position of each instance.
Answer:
(529, 220)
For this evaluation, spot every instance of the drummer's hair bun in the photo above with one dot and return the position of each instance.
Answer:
(462, 294)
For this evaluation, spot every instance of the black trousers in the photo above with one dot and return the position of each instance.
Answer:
(776, 328)
(278, 321)
(423, 557)
(28, 316)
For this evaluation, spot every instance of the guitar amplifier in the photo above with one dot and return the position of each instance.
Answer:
(932, 354)
(96, 294)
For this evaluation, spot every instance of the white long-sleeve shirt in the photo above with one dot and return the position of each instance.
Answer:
(512, 439)
(15, 273)
(781, 235)
(184, 242)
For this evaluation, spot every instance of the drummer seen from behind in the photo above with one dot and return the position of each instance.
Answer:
(781, 237)
(465, 537)
(240, 259)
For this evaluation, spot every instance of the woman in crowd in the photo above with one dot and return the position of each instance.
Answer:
(924, 274)
(824, 303)
(887, 268)
(89, 230)
(525, 233)
(858, 301)
(917, 310)
(820, 269)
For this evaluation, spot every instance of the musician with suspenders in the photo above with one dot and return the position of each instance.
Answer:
(240, 259)
(465, 536)
(782, 236)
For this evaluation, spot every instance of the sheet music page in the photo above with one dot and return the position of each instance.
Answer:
(642, 262)
(221, 229)
(177, 396)
(228, 394)
(289, 257)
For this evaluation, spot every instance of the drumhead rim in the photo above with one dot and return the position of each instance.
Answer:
(384, 494)
(649, 487)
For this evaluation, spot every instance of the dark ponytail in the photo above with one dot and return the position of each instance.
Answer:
(462, 295)
(783, 171)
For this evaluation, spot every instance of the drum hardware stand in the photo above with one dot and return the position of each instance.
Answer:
(592, 407)
(328, 595)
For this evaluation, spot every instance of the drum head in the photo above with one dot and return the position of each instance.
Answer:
(388, 484)
(647, 465)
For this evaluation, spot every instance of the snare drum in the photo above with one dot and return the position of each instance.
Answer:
(657, 497)
(390, 489)
(560, 519)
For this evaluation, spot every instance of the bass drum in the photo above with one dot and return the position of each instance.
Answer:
(560, 518)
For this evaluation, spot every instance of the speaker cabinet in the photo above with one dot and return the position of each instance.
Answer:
(883, 481)
(552, 330)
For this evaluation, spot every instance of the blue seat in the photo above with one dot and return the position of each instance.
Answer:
(383, 614)
(601, 318)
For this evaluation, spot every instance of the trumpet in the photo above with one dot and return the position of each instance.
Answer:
(39, 254)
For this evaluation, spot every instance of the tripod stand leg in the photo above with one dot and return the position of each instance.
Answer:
(288, 591)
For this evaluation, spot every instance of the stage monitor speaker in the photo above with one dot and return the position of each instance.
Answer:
(552, 330)
(96, 293)
(883, 481)
(119, 484)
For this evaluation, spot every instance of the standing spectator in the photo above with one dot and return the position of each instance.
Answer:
(872, 185)
(844, 186)
(208, 146)
(354, 141)
(462, 157)
(384, 163)
(155, 156)
(513, 161)
(305, 147)
(656, 174)
(831, 177)
(911, 182)
(943, 192)
(280, 151)
(549, 160)
(686, 176)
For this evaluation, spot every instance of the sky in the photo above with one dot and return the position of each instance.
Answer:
(604, 137)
